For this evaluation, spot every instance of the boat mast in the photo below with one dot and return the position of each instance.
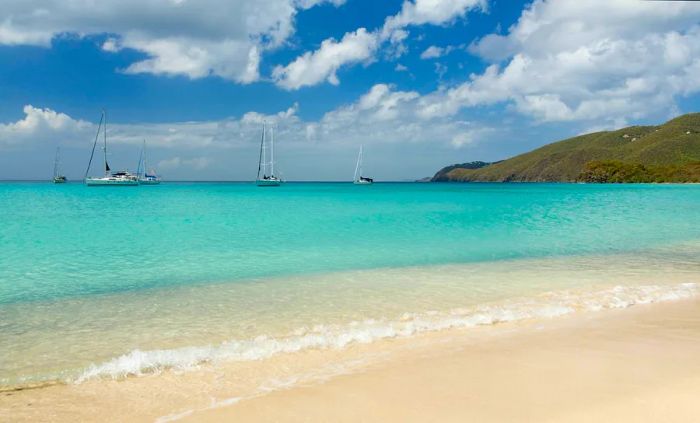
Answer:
(262, 140)
(145, 168)
(55, 162)
(272, 150)
(94, 144)
(264, 152)
(104, 113)
(358, 166)
(138, 167)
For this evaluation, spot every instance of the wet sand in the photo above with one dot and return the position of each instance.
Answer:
(638, 364)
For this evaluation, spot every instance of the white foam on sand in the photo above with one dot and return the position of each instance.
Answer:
(548, 305)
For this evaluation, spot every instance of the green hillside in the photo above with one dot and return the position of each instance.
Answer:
(443, 174)
(666, 153)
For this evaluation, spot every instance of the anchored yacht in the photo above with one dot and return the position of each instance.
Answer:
(120, 178)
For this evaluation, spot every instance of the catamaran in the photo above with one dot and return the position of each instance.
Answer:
(267, 179)
(359, 179)
(146, 178)
(57, 177)
(120, 178)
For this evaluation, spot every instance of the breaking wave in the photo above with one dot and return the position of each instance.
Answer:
(548, 305)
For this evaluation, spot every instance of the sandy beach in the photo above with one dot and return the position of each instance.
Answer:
(349, 211)
(636, 364)
(639, 364)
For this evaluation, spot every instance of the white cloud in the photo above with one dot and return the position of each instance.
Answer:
(468, 136)
(321, 65)
(111, 45)
(385, 103)
(432, 52)
(314, 67)
(381, 115)
(434, 12)
(283, 116)
(231, 59)
(40, 125)
(440, 70)
(308, 4)
(400, 68)
(191, 38)
(595, 60)
(12, 34)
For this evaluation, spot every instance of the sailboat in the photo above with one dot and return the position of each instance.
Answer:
(146, 178)
(120, 178)
(359, 179)
(57, 177)
(267, 179)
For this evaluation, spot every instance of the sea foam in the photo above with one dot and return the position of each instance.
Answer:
(548, 305)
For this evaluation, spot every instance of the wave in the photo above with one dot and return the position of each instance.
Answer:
(548, 305)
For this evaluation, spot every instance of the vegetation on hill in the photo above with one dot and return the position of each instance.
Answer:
(665, 153)
(612, 171)
(442, 175)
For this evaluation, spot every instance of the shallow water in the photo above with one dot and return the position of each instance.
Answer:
(110, 282)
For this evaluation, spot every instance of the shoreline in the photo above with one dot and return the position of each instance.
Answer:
(636, 364)
(401, 324)
(449, 375)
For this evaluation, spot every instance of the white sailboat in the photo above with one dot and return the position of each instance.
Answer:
(120, 178)
(267, 168)
(359, 179)
(147, 178)
(57, 177)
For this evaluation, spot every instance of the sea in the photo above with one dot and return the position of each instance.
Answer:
(111, 283)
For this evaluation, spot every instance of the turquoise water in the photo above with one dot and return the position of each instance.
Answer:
(64, 241)
(90, 274)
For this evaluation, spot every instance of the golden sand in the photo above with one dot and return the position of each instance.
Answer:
(636, 364)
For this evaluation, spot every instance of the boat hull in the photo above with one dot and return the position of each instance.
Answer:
(268, 182)
(362, 182)
(59, 180)
(147, 182)
(104, 182)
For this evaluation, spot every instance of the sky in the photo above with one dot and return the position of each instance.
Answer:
(421, 84)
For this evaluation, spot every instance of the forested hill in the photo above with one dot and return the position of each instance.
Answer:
(665, 153)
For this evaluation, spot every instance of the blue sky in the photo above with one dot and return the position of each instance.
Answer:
(420, 83)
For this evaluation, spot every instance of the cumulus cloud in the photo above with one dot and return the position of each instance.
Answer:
(308, 4)
(432, 52)
(191, 38)
(321, 65)
(230, 59)
(570, 60)
(385, 115)
(384, 102)
(434, 12)
(381, 115)
(470, 135)
(40, 125)
(111, 45)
